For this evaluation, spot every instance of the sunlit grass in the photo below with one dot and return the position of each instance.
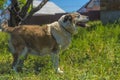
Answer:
(93, 55)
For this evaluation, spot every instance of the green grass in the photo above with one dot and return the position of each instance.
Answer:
(94, 54)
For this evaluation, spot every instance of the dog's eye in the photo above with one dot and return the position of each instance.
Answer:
(67, 17)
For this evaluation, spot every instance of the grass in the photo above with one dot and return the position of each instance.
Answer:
(94, 54)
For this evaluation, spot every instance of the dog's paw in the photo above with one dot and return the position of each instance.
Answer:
(60, 71)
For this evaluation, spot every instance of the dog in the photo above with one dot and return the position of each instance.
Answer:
(48, 39)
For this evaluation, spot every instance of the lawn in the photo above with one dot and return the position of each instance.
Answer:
(94, 54)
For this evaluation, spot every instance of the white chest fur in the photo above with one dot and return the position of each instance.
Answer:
(62, 37)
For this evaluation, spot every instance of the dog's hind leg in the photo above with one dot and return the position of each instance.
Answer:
(18, 58)
(11, 47)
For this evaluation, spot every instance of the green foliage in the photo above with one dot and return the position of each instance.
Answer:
(22, 2)
(1, 3)
(3, 42)
(93, 55)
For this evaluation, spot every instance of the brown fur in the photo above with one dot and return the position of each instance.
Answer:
(34, 37)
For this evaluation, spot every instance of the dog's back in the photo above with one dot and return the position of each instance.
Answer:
(34, 37)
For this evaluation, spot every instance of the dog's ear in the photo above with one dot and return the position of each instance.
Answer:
(67, 17)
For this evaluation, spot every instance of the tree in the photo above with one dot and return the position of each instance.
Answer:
(20, 14)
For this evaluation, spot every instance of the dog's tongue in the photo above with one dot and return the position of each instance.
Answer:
(82, 24)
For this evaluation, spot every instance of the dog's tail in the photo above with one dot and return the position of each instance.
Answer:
(5, 27)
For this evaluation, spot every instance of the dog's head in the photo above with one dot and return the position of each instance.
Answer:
(72, 20)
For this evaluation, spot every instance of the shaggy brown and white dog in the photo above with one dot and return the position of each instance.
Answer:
(48, 39)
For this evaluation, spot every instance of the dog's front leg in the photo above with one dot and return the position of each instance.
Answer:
(55, 60)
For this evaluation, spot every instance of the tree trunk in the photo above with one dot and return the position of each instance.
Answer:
(14, 20)
(20, 16)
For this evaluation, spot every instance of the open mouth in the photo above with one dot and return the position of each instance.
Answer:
(82, 24)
